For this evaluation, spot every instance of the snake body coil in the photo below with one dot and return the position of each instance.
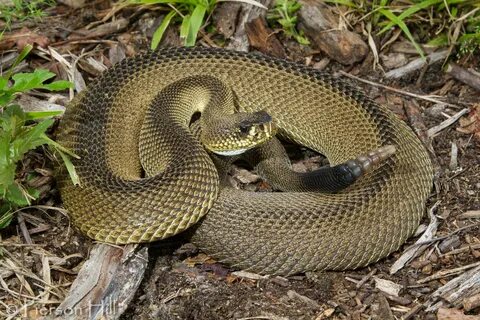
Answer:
(280, 233)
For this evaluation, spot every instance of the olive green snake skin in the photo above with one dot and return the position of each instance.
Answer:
(266, 232)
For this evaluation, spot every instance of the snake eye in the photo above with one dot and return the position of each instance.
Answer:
(244, 129)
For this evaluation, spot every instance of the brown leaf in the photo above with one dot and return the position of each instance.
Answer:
(201, 258)
(263, 38)
(453, 314)
(21, 38)
(470, 124)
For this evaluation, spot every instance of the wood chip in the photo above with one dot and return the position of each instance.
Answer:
(108, 279)
(417, 249)
(263, 38)
(453, 157)
(456, 290)
(384, 311)
(320, 24)
(472, 302)
(249, 275)
(471, 214)
(239, 41)
(296, 296)
(387, 286)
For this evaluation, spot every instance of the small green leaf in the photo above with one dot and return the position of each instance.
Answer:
(17, 195)
(28, 81)
(3, 83)
(441, 40)
(6, 215)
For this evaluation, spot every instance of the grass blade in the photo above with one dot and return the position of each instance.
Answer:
(70, 168)
(157, 36)
(33, 115)
(196, 22)
(413, 9)
(26, 50)
(392, 17)
(185, 27)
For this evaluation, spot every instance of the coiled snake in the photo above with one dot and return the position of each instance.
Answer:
(276, 232)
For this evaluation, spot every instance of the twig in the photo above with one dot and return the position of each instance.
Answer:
(406, 93)
(434, 130)
(417, 64)
(366, 278)
(416, 250)
(23, 228)
(10, 244)
(463, 75)
(410, 314)
(462, 249)
(465, 285)
(471, 214)
(419, 243)
(447, 273)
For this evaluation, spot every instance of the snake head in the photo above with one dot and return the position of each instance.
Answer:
(238, 132)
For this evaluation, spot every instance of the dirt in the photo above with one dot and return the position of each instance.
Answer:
(182, 283)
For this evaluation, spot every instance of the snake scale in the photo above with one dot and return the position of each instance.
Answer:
(266, 232)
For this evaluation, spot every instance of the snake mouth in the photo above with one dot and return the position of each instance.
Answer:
(230, 153)
(242, 131)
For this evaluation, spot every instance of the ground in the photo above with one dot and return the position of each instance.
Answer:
(42, 252)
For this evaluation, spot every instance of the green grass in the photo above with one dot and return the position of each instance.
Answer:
(21, 10)
(191, 14)
(21, 132)
(285, 14)
(453, 23)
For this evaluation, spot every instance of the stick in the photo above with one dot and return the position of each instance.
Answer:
(463, 75)
(434, 130)
(406, 93)
(465, 285)
(446, 273)
(416, 64)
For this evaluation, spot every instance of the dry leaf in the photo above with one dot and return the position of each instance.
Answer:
(453, 314)
(470, 124)
(21, 38)
(201, 258)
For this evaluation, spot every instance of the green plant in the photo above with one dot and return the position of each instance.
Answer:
(436, 22)
(20, 133)
(284, 12)
(22, 10)
(193, 13)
